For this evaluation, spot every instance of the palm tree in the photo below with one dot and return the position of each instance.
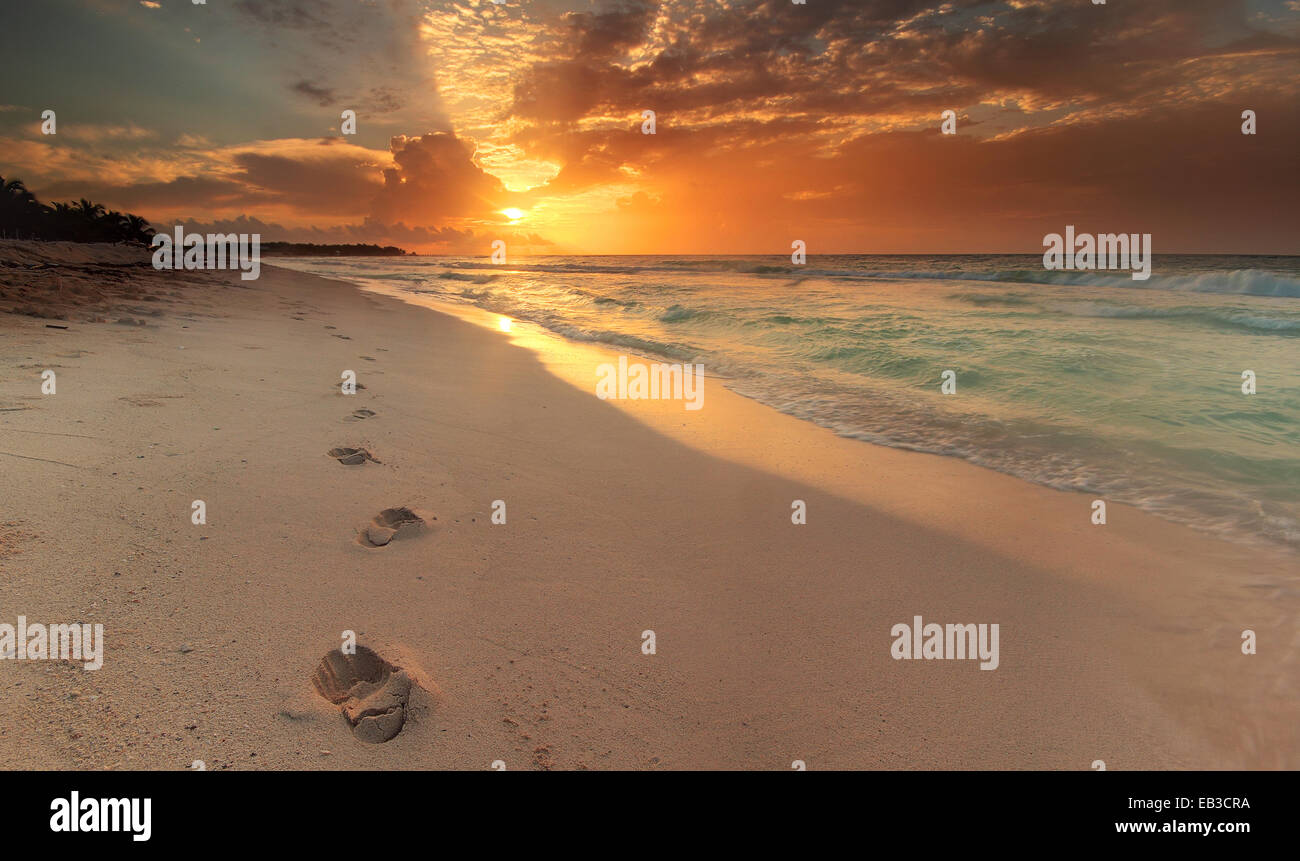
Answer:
(88, 210)
(14, 188)
(21, 214)
(17, 206)
(62, 220)
(136, 229)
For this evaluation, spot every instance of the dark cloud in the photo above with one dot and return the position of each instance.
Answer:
(608, 33)
(326, 186)
(291, 14)
(434, 178)
(199, 192)
(1124, 112)
(383, 100)
(432, 184)
(1188, 176)
(326, 178)
(869, 58)
(323, 96)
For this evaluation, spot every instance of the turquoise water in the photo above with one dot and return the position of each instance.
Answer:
(1084, 381)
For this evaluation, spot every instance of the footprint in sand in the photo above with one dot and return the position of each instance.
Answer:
(363, 414)
(393, 523)
(352, 456)
(373, 693)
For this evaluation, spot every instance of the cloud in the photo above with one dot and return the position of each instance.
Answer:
(774, 120)
(322, 96)
(430, 182)
(368, 56)
(295, 178)
(98, 133)
(433, 179)
(823, 120)
(313, 15)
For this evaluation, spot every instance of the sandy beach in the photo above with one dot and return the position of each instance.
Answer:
(522, 640)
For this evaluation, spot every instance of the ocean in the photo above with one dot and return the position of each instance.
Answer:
(1086, 381)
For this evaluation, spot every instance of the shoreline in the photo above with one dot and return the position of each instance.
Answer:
(524, 638)
(558, 352)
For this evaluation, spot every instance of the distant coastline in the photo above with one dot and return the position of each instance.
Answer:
(311, 249)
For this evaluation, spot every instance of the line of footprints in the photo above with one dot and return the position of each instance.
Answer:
(373, 694)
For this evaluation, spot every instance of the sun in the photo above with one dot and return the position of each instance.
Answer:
(513, 214)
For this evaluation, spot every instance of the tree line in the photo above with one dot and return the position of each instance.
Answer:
(312, 249)
(22, 216)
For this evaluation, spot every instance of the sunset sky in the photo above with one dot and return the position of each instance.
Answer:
(775, 121)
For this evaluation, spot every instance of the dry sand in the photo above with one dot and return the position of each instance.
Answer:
(522, 642)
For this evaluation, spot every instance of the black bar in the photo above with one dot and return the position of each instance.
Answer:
(355, 809)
